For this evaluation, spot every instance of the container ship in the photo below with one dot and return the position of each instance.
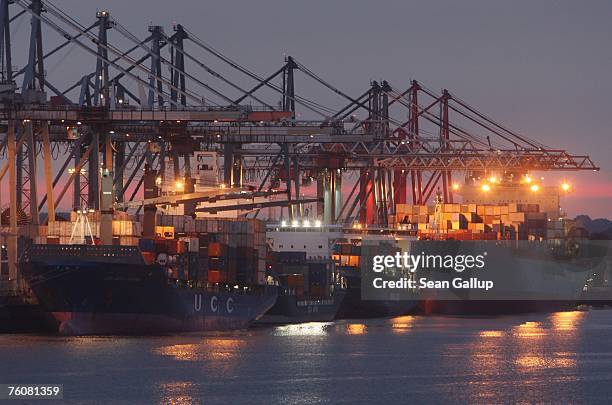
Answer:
(311, 240)
(354, 254)
(189, 275)
(542, 262)
(528, 276)
(309, 290)
(91, 289)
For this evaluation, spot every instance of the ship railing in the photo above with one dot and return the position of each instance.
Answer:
(310, 302)
(218, 287)
(304, 301)
(104, 253)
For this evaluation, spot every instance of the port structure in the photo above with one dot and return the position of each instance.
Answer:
(140, 104)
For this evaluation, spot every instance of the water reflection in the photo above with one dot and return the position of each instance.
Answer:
(176, 393)
(185, 352)
(303, 329)
(554, 358)
(356, 329)
(558, 360)
(485, 355)
(567, 321)
(208, 349)
(491, 334)
(527, 347)
(402, 324)
(535, 357)
(485, 364)
(529, 330)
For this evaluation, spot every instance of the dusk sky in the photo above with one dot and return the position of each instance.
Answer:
(542, 68)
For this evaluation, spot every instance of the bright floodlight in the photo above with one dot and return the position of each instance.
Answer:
(294, 223)
(455, 186)
(486, 188)
(527, 179)
(306, 223)
(535, 188)
(318, 223)
(565, 187)
(283, 223)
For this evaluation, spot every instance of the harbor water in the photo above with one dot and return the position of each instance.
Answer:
(560, 357)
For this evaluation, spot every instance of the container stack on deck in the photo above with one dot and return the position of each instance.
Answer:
(228, 250)
(347, 254)
(466, 221)
(308, 277)
(126, 232)
(234, 249)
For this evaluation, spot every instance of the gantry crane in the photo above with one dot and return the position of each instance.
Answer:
(401, 145)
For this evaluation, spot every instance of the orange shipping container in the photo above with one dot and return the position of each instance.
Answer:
(294, 280)
(216, 276)
(148, 257)
(353, 261)
(214, 249)
(53, 240)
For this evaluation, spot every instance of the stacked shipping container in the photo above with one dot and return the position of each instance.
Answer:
(235, 249)
(509, 221)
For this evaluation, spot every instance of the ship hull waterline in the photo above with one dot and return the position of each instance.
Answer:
(288, 309)
(93, 298)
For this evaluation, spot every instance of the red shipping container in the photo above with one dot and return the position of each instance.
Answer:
(292, 280)
(53, 240)
(216, 276)
(214, 249)
(148, 257)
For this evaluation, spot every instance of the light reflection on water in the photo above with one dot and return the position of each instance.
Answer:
(534, 357)
(539, 362)
(491, 334)
(402, 324)
(207, 349)
(567, 321)
(497, 356)
(526, 358)
(356, 328)
(303, 329)
(529, 330)
(177, 393)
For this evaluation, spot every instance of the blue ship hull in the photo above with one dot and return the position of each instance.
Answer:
(89, 293)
